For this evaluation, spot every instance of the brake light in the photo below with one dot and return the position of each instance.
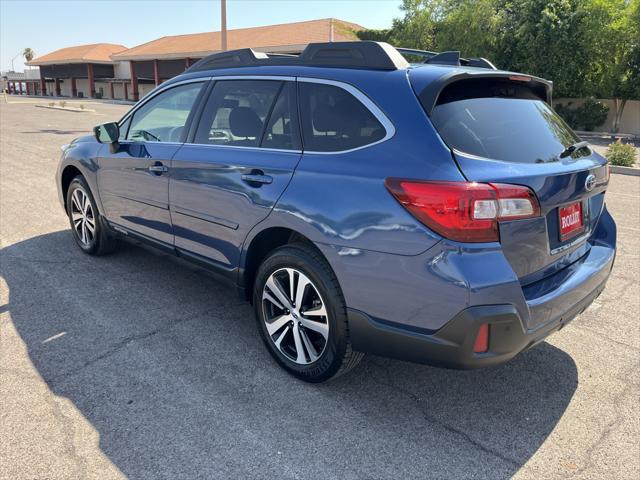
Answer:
(520, 78)
(464, 211)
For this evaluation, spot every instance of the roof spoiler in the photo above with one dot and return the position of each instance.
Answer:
(429, 96)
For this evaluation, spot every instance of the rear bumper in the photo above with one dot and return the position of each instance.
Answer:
(428, 308)
(515, 322)
(452, 345)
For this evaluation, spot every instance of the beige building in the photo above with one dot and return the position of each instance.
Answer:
(106, 70)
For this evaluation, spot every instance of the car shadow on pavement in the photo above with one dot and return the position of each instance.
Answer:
(167, 366)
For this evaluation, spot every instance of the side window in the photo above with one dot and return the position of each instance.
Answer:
(282, 131)
(162, 119)
(124, 129)
(236, 112)
(334, 120)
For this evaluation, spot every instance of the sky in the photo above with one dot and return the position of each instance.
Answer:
(47, 25)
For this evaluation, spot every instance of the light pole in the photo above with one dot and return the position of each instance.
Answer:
(12, 69)
(223, 20)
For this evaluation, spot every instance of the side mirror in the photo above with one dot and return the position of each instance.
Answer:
(107, 132)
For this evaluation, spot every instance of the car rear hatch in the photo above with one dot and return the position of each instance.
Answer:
(501, 129)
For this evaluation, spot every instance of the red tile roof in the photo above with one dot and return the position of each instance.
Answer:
(275, 38)
(94, 53)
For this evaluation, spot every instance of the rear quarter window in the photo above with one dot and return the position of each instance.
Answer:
(333, 120)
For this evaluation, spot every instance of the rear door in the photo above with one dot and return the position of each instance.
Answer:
(501, 130)
(238, 161)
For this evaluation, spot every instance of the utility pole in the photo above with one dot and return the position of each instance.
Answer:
(13, 60)
(223, 19)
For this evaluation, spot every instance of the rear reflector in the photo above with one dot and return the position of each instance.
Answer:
(482, 340)
(464, 211)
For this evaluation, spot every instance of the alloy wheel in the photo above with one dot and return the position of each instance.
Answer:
(82, 216)
(295, 315)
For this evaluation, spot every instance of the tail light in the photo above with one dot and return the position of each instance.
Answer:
(464, 211)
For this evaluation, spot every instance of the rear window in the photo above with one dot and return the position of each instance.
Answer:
(500, 121)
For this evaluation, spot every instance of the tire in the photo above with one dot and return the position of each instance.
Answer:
(322, 349)
(83, 216)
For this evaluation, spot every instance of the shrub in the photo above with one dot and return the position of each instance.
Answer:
(81, 106)
(588, 116)
(623, 154)
(62, 103)
(568, 114)
(51, 104)
(592, 114)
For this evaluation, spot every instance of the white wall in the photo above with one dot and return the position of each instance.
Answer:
(143, 89)
(122, 70)
(32, 73)
(106, 92)
(118, 91)
(51, 88)
(65, 87)
(629, 123)
(82, 85)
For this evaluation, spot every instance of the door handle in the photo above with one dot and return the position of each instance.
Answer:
(257, 178)
(158, 168)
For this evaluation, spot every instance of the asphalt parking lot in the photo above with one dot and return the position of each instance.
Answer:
(136, 365)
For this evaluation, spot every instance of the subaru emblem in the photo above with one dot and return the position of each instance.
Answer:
(590, 182)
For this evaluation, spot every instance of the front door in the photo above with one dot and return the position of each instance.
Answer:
(133, 180)
(229, 177)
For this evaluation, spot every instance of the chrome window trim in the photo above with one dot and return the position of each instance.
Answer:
(131, 142)
(282, 78)
(388, 126)
(390, 129)
(157, 91)
(262, 149)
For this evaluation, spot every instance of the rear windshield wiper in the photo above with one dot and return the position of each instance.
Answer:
(573, 148)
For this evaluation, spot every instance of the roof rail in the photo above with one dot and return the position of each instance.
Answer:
(445, 58)
(426, 54)
(364, 54)
(448, 58)
(243, 57)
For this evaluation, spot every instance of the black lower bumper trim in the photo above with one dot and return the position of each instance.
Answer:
(452, 345)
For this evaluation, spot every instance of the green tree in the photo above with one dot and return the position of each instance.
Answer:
(589, 48)
(418, 27)
(375, 35)
(28, 54)
(617, 72)
(471, 26)
(548, 38)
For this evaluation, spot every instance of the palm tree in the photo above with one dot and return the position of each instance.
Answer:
(28, 54)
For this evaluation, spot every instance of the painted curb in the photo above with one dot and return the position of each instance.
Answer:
(625, 170)
(66, 109)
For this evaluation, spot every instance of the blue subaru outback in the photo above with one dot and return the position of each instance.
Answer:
(438, 212)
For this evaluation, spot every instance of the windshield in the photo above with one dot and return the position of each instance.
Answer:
(522, 130)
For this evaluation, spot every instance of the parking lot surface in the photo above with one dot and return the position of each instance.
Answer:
(136, 365)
